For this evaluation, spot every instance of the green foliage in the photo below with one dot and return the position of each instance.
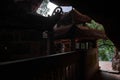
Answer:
(106, 49)
(95, 25)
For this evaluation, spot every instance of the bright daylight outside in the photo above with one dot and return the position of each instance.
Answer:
(46, 8)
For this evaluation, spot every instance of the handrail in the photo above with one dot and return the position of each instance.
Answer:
(61, 66)
(36, 58)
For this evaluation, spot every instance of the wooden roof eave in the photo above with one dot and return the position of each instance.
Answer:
(91, 33)
(83, 33)
(62, 31)
(79, 17)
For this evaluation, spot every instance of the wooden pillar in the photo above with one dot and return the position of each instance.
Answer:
(45, 42)
(51, 49)
(72, 44)
(51, 23)
(49, 41)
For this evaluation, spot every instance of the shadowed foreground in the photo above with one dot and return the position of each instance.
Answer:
(102, 75)
(106, 72)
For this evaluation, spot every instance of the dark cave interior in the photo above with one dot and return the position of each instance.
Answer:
(103, 12)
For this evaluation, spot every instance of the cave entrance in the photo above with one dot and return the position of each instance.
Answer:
(106, 51)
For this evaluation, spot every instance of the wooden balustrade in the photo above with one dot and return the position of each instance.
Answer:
(62, 66)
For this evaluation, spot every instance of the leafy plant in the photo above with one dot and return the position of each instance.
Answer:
(94, 25)
(106, 49)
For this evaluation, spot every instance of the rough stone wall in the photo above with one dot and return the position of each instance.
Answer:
(116, 61)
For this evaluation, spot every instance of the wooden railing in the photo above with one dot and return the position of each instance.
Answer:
(62, 66)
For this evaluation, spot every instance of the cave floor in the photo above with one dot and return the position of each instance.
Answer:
(102, 75)
(106, 72)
